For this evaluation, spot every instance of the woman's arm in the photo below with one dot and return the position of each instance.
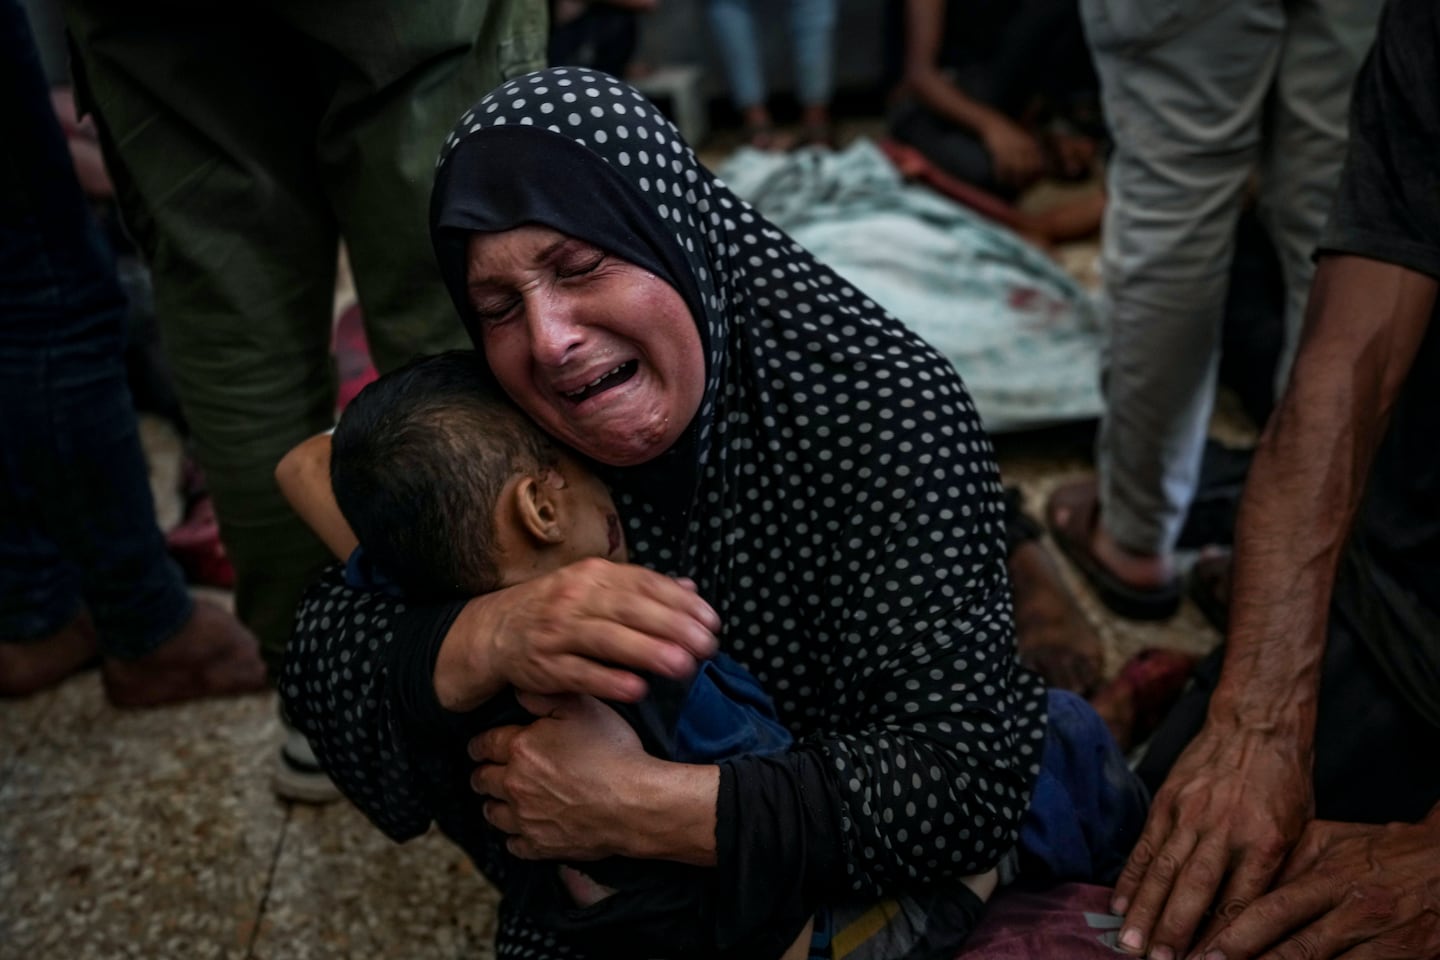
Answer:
(303, 476)
(371, 681)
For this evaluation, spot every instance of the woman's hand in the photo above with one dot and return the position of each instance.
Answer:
(576, 785)
(558, 634)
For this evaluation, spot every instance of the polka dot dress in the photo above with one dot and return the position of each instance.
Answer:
(840, 508)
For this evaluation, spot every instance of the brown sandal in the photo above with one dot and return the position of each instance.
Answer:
(1081, 501)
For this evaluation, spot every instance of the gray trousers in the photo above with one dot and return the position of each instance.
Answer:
(1202, 96)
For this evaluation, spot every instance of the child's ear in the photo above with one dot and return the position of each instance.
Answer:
(538, 508)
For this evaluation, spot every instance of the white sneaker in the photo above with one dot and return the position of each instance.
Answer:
(298, 775)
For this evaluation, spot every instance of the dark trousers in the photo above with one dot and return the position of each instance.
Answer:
(244, 142)
(1375, 758)
(602, 37)
(77, 523)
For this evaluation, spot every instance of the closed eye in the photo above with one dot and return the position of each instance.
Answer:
(493, 311)
(587, 262)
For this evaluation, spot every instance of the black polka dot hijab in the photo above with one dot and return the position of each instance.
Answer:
(835, 498)
(587, 155)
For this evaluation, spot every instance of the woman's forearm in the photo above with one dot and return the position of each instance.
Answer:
(682, 828)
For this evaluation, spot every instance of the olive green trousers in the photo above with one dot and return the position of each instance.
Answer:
(245, 141)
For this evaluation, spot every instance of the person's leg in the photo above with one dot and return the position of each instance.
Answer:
(732, 25)
(1022, 60)
(1325, 42)
(209, 123)
(567, 42)
(1053, 636)
(77, 509)
(53, 286)
(1187, 132)
(612, 35)
(812, 36)
(1374, 753)
(382, 129)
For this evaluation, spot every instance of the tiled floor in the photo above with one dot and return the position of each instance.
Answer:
(155, 834)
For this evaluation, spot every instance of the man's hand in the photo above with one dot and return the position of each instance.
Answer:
(556, 787)
(1349, 889)
(1223, 823)
(561, 632)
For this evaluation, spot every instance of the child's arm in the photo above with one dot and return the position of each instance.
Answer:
(303, 475)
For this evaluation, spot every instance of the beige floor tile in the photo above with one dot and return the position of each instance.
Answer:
(20, 725)
(166, 871)
(341, 890)
(87, 747)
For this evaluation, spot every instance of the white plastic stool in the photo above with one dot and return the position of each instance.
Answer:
(679, 84)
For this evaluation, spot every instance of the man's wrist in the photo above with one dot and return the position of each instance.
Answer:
(1244, 713)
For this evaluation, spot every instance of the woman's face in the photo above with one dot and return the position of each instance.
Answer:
(602, 354)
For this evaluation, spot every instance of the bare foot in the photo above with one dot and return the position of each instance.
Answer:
(32, 666)
(1055, 638)
(584, 890)
(213, 655)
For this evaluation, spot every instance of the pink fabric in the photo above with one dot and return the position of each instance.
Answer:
(352, 356)
(1072, 920)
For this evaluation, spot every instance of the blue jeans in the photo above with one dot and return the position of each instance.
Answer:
(812, 30)
(77, 523)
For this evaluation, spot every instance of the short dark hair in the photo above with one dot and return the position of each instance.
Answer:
(417, 464)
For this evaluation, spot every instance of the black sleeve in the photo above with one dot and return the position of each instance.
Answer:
(1388, 204)
(358, 683)
(924, 783)
(774, 861)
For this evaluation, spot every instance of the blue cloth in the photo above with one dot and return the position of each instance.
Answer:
(77, 522)
(725, 713)
(1087, 808)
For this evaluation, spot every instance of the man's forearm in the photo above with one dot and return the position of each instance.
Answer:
(1364, 325)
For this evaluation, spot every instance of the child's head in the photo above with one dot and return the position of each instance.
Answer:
(454, 492)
